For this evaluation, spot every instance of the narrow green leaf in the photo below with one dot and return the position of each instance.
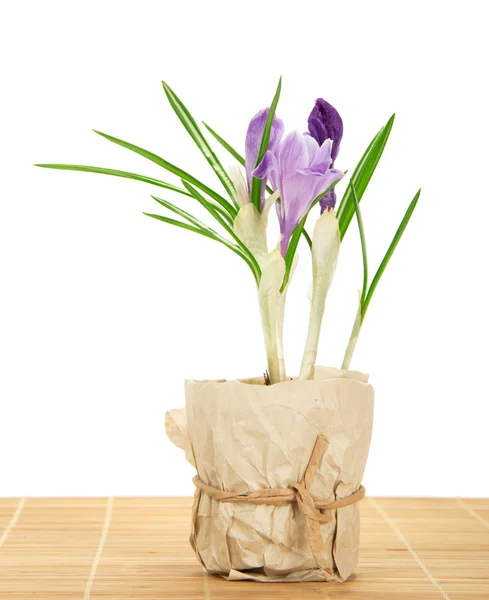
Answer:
(193, 129)
(390, 251)
(196, 222)
(234, 153)
(265, 139)
(225, 145)
(133, 176)
(291, 250)
(210, 206)
(362, 175)
(206, 204)
(363, 243)
(182, 213)
(352, 342)
(115, 173)
(173, 169)
(307, 238)
(200, 231)
(177, 224)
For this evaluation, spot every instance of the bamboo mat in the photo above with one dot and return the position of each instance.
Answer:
(121, 548)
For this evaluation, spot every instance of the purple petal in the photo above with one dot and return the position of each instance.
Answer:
(268, 169)
(312, 148)
(328, 202)
(297, 194)
(268, 164)
(324, 123)
(284, 242)
(323, 161)
(293, 154)
(253, 139)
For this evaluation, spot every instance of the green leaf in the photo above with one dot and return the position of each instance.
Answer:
(255, 267)
(197, 223)
(234, 153)
(352, 342)
(205, 232)
(363, 243)
(133, 176)
(291, 250)
(200, 231)
(225, 145)
(173, 169)
(193, 129)
(362, 175)
(390, 251)
(265, 139)
(307, 237)
(177, 224)
(115, 173)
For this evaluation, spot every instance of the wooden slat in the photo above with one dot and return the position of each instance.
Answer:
(129, 548)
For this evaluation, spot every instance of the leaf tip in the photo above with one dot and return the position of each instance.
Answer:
(186, 185)
(167, 89)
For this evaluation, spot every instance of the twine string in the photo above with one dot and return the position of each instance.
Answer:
(309, 506)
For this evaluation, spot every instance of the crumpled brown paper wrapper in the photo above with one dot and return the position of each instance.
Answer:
(244, 436)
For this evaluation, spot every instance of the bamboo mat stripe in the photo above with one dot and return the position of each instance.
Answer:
(465, 506)
(100, 549)
(207, 591)
(137, 548)
(410, 549)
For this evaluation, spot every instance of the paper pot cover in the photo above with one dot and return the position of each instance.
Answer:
(243, 436)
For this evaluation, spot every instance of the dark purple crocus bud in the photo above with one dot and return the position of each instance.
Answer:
(324, 123)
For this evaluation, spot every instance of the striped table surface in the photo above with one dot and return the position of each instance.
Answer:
(117, 548)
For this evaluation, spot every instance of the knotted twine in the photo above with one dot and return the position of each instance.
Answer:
(309, 506)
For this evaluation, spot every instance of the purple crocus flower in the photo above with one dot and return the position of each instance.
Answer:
(324, 123)
(253, 141)
(300, 169)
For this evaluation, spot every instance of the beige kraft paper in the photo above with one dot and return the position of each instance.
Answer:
(244, 436)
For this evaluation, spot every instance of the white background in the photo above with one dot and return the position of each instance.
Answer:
(105, 312)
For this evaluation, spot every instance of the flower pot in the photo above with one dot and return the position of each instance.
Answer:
(279, 473)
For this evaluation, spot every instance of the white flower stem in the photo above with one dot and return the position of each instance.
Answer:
(271, 302)
(280, 335)
(325, 249)
(313, 332)
(272, 334)
(355, 332)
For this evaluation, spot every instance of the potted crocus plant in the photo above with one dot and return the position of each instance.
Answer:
(279, 459)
